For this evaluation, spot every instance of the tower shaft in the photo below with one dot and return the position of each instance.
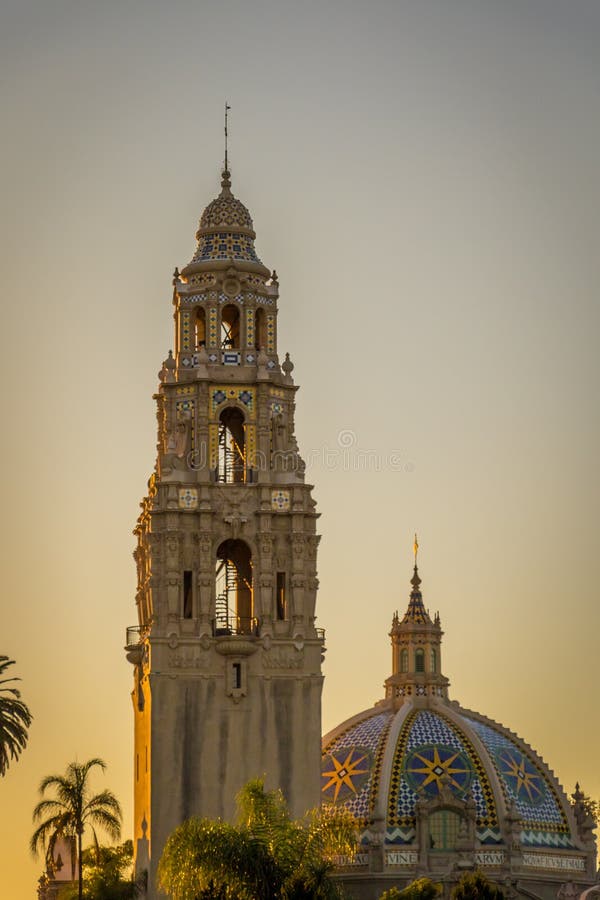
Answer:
(226, 655)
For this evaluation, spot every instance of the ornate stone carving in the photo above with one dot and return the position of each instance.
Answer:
(188, 658)
(282, 658)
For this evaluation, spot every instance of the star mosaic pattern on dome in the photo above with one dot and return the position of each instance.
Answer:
(544, 821)
(351, 765)
(431, 752)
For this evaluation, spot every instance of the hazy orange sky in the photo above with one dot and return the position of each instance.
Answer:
(424, 177)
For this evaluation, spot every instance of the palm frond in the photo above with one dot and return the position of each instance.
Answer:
(15, 719)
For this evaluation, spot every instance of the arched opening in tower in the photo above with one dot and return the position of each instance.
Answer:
(260, 329)
(200, 328)
(230, 327)
(231, 465)
(234, 605)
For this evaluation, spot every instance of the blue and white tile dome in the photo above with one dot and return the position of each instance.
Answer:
(382, 762)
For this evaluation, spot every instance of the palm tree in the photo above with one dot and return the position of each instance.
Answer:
(15, 718)
(73, 808)
(265, 856)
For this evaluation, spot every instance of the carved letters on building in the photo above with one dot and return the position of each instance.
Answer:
(545, 861)
(401, 857)
(356, 861)
(490, 857)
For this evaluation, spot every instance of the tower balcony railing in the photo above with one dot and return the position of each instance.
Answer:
(320, 634)
(133, 635)
(232, 624)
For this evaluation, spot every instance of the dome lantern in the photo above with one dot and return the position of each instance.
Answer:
(225, 235)
(416, 645)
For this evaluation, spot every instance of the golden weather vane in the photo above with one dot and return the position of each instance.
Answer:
(416, 547)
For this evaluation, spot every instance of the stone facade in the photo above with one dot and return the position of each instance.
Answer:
(226, 655)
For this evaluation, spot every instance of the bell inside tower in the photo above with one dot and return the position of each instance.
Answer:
(230, 327)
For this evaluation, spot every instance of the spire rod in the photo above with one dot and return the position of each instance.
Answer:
(227, 108)
(416, 548)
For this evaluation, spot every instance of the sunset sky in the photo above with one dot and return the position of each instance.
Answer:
(424, 177)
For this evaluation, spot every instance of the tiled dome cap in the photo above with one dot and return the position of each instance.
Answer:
(225, 231)
(226, 213)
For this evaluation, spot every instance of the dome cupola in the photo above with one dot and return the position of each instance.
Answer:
(225, 233)
(416, 646)
(437, 789)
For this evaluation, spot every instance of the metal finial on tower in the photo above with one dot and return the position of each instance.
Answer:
(416, 548)
(227, 108)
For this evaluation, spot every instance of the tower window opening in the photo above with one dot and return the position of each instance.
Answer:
(188, 595)
(230, 327)
(234, 603)
(231, 468)
(433, 660)
(281, 596)
(444, 826)
(236, 681)
(404, 660)
(260, 329)
(200, 328)
(419, 660)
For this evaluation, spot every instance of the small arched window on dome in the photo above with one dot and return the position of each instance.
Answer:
(200, 328)
(230, 327)
(260, 329)
(231, 465)
(433, 660)
(444, 826)
(404, 660)
(419, 660)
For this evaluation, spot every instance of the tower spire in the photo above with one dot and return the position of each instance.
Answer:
(416, 611)
(227, 108)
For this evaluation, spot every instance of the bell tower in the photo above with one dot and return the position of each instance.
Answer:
(226, 655)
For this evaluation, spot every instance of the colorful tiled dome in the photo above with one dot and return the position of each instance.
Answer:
(421, 774)
(381, 763)
(226, 212)
(226, 230)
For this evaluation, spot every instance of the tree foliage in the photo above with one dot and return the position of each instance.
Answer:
(71, 810)
(107, 874)
(475, 886)
(266, 855)
(421, 889)
(15, 718)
